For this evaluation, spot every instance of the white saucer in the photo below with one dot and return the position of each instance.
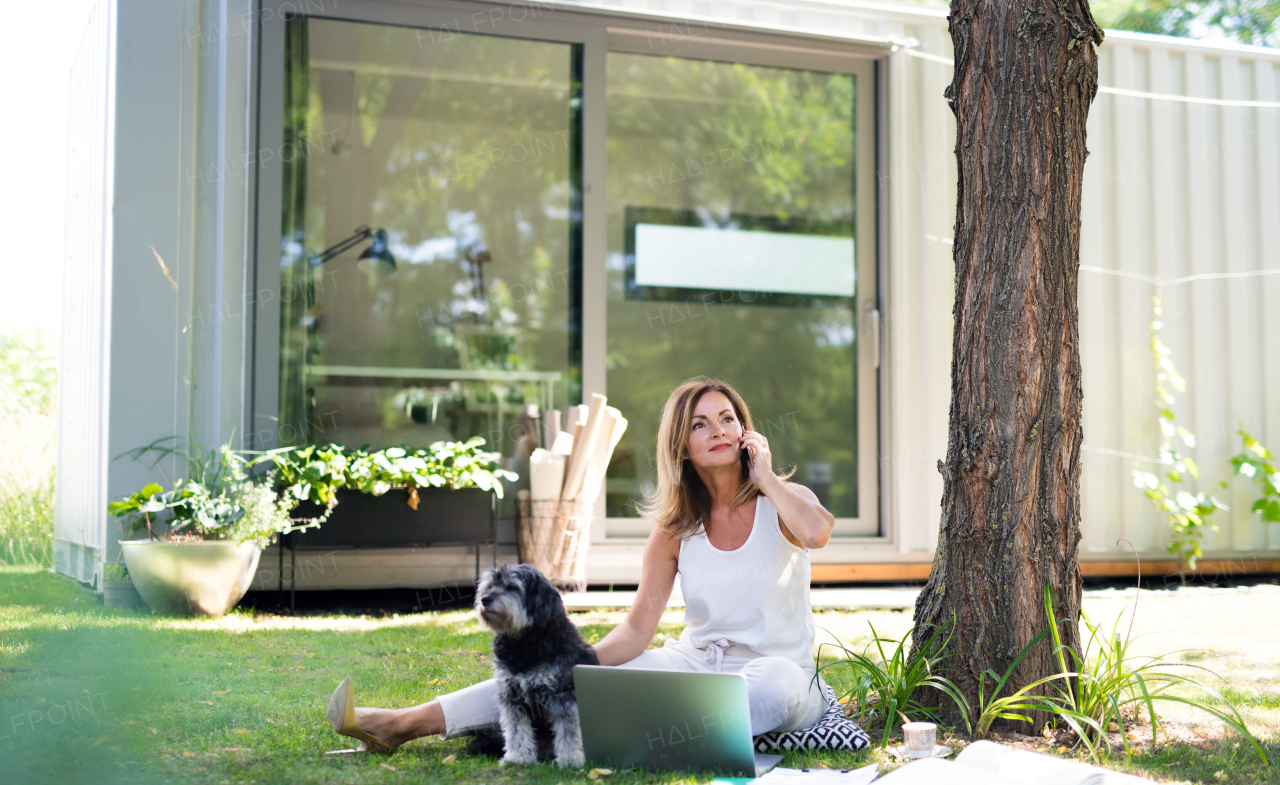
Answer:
(939, 751)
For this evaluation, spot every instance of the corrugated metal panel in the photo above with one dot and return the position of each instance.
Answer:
(82, 412)
(1173, 189)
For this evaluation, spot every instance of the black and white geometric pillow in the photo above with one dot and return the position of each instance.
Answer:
(833, 731)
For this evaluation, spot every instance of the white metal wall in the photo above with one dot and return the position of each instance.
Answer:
(82, 373)
(160, 186)
(1183, 197)
(1182, 194)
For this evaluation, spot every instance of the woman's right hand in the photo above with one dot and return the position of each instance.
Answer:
(657, 578)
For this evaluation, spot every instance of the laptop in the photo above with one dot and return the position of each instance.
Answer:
(664, 720)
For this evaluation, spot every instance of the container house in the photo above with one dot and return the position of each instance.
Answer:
(400, 221)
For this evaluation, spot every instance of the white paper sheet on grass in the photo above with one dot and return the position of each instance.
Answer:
(694, 257)
(781, 776)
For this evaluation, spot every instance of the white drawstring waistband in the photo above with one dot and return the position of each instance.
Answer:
(714, 653)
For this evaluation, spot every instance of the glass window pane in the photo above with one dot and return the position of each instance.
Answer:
(464, 150)
(732, 254)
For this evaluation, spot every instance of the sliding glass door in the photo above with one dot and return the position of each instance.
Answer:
(479, 216)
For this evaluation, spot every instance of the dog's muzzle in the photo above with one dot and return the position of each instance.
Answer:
(502, 613)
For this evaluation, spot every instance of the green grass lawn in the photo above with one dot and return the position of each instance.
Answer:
(91, 694)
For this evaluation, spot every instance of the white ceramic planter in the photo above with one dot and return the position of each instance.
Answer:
(191, 578)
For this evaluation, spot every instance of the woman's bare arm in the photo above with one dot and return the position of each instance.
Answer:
(803, 519)
(805, 522)
(657, 577)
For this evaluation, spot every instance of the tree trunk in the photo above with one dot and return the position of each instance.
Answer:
(1025, 75)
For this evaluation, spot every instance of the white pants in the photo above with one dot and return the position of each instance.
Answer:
(781, 695)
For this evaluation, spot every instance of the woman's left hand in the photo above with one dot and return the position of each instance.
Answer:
(760, 460)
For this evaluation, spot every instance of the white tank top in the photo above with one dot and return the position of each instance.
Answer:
(756, 596)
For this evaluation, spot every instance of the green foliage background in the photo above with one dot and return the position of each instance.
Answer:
(28, 409)
(1255, 22)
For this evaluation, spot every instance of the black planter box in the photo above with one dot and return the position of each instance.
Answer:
(444, 516)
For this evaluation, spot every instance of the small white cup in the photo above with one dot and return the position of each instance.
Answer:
(920, 738)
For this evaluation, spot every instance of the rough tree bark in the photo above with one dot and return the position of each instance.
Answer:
(1025, 75)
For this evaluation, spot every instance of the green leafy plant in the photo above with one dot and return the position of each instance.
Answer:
(220, 500)
(312, 473)
(1257, 463)
(113, 571)
(316, 473)
(885, 684)
(1188, 515)
(442, 465)
(1110, 685)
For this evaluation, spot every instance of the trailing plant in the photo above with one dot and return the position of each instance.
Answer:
(1111, 685)
(1188, 515)
(885, 684)
(312, 473)
(1257, 463)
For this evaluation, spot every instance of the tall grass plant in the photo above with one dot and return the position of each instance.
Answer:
(28, 424)
(888, 676)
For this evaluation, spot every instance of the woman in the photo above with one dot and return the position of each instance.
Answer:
(739, 537)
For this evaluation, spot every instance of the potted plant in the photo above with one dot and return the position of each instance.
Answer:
(117, 588)
(204, 534)
(397, 497)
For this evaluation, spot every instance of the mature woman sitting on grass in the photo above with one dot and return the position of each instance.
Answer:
(738, 535)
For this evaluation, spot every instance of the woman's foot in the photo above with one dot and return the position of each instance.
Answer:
(384, 725)
(397, 726)
(342, 718)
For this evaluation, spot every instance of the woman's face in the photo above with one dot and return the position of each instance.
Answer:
(715, 431)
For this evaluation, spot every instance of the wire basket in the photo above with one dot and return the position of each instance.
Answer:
(554, 536)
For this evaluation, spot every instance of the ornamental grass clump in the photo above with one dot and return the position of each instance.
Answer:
(886, 684)
(1112, 685)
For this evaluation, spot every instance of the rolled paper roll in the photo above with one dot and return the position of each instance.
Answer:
(584, 448)
(611, 432)
(550, 427)
(563, 444)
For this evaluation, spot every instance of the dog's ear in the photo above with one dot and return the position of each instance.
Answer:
(541, 600)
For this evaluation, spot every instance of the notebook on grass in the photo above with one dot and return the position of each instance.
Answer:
(663, 721)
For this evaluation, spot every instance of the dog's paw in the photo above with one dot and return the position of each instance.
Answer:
(573, 759)
(518, 760)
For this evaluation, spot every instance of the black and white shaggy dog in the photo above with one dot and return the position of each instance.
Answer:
(534, 650)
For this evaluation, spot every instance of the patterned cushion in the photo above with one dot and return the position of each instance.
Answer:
(833, 731)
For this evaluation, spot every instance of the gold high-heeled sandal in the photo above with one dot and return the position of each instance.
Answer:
(342, 716)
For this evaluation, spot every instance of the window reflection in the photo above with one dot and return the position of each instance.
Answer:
(464, 150)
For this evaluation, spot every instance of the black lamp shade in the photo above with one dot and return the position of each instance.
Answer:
(377, 255)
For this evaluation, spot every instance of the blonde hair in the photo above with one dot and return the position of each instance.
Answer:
(680, 504)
